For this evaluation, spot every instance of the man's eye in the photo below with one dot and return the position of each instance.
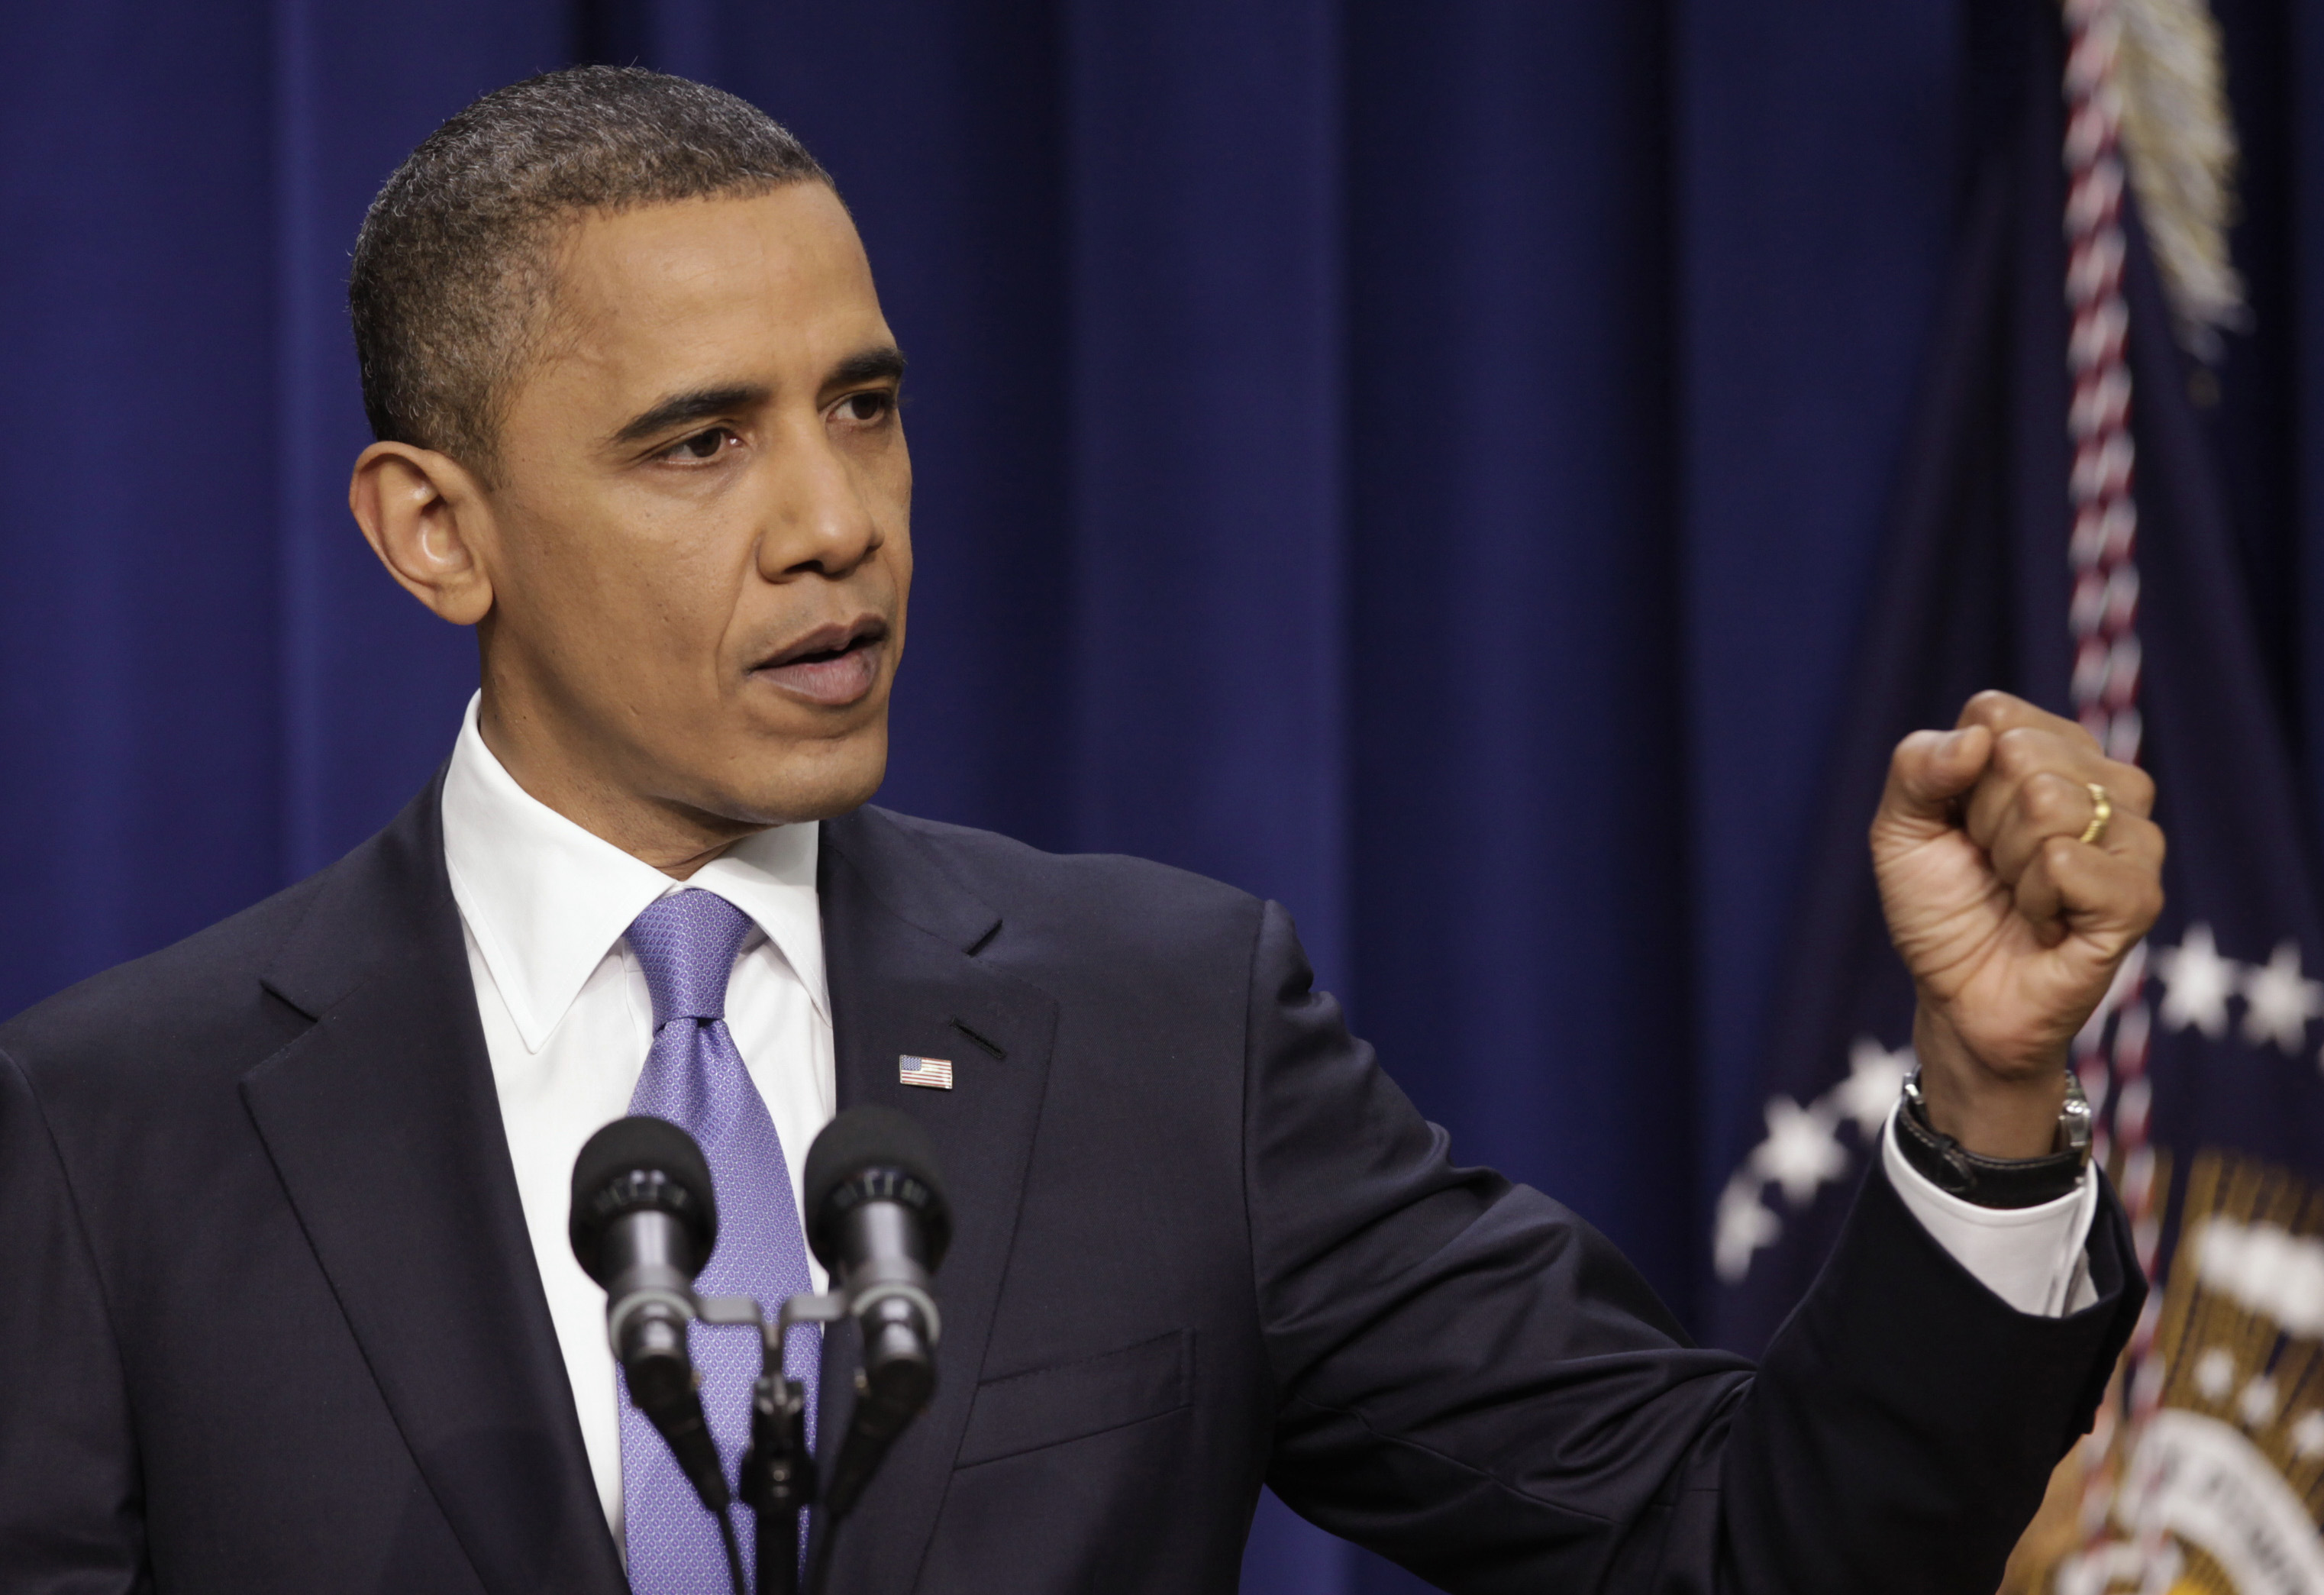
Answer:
(704, 444)
(864, 407)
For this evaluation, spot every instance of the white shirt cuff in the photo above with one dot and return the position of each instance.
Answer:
(2036, 1258)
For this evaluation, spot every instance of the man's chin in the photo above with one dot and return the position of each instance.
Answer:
(819, 786)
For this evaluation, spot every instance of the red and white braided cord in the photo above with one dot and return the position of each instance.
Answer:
(2105, 608)
(2103, 621)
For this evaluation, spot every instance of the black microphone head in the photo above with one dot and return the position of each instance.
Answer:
(635, 1164)
(873, 1155)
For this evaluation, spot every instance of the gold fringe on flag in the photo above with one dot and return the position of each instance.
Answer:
(2181, 142)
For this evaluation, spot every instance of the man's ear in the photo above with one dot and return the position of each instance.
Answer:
(426, 517)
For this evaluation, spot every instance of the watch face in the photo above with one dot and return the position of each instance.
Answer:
(2074, 1120)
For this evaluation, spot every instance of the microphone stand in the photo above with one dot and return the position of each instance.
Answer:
(778, 1474)
(779, 1477)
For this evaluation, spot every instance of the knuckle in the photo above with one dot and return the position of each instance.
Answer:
(2017, 751)
(1981, 708)
(2049, 800)
(1984, 708)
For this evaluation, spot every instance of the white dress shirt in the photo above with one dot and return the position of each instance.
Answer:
(2036, 1258)
(567, 1021)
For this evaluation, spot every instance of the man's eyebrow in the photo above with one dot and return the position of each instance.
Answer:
(700, 405)
(882, 363)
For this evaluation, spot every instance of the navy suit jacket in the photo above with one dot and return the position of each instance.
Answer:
(270, 1320)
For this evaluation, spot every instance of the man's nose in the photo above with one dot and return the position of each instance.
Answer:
(818, 517)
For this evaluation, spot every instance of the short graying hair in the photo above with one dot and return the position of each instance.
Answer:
(449, 288)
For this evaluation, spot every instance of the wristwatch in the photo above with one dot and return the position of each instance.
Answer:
(1997, 1182)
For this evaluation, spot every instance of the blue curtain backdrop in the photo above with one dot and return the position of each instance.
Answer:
(1425, 464)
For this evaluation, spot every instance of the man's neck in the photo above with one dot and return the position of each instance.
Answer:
(673, 837)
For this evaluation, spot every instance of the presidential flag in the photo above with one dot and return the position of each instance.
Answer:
(2061, 531)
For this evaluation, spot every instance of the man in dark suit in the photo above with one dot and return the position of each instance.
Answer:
(288, 1303)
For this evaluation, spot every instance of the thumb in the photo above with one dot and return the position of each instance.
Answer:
(1929, 770)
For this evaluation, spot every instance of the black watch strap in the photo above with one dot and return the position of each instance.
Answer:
(1997, 1182)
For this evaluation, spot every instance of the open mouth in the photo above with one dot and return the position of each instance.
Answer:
(833, 665)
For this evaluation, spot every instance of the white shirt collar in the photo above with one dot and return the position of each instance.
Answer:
(546, 900)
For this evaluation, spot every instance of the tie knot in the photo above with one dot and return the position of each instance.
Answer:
(686, 942)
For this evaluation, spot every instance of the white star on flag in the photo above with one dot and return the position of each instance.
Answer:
(2257, 1404)
(1875, 1079)
(2201, 982)
(1745, 1225)
(2279, 1001)
(1801, 1152)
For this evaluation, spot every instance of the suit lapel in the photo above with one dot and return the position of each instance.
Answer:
(900, 939)
(384, 1125)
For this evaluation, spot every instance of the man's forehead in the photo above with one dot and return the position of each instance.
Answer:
(784, 267)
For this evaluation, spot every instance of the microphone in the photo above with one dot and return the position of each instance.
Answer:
(642, 1225)
(879, 1224)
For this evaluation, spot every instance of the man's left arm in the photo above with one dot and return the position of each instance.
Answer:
(1474, 1383)
(2017, 867)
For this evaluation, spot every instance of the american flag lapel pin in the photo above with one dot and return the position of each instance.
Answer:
(936, 1073)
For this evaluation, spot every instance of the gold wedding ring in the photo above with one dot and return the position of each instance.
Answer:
(2101, 811)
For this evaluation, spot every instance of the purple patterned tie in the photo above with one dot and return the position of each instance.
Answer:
(695, 1078)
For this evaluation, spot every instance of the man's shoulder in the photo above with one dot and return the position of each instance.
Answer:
(162, 1008)
(1076, 904)
(1003, 866)
(226, 996)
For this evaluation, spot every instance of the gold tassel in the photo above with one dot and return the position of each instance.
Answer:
(2180, 143)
